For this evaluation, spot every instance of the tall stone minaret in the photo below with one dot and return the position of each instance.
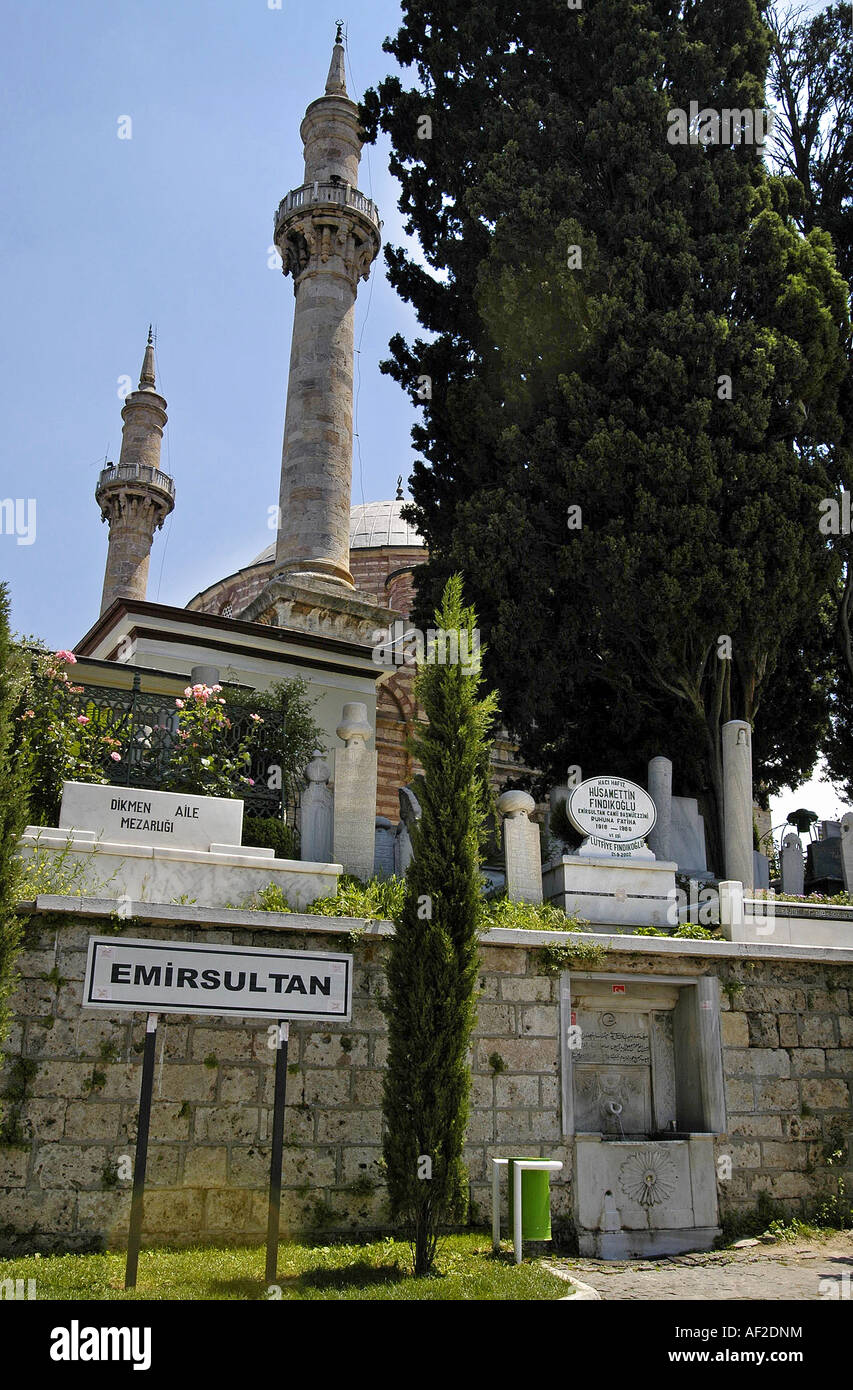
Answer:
(135, 497)
(328, 235)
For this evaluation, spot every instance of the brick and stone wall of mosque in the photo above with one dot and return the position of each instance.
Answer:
(71, 1084)
(384, 572)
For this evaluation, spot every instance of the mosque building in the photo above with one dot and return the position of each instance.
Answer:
(315, 601)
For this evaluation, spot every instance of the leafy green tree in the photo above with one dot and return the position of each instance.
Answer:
(811, 81)
(635, 366)
(433, 960)
(289, 753)
(15, 774)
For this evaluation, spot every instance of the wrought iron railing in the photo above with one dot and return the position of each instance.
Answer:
(146, 725)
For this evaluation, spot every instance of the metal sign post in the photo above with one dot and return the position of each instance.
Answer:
(277, 1151)
(179, 977)
(141, 1158)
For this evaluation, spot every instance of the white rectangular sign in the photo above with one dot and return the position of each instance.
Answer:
(171, 977)
(129, 816)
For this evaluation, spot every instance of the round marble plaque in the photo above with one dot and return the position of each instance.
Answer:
(612, 809)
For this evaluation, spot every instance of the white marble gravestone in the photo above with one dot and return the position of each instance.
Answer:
(793, 867)
(660, 790)
(615, 816)
(162, 847)
(410, 814)
(130, 816)
(316, 809)
(355, 794)
(737, 802)
(521, 848)
(687, 837)
(614, 879)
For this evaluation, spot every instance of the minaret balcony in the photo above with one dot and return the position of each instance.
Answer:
(135, 475)
(318, 195)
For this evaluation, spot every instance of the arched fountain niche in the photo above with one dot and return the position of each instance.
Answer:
(643, 1102)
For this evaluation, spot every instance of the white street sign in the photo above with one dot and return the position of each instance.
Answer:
(169, 977)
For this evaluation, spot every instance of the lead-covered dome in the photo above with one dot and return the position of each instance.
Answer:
(372, 526)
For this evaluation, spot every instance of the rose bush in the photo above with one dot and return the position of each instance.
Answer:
(201, 762)
(61, 741)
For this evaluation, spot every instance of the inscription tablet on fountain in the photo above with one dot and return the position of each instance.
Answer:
(631, 1049)
(614, 1037)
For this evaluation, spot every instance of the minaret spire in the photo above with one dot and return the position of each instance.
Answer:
(147, 381)
(336, 82)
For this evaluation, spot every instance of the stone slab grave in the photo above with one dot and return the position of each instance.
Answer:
(123, 815)
(687, 838)
(614, 878)
(167, 847)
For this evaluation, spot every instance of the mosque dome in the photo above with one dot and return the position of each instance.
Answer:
(373, 526)
(376, 525)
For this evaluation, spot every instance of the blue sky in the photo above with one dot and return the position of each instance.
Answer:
(101, 235)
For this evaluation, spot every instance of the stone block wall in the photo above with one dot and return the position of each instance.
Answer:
(787, 1035)
(72, 1086)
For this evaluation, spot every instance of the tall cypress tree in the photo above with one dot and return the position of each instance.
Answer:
(432, 967)
(13, 806)
(635, 366)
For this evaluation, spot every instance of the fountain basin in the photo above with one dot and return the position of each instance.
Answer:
(643, 1197)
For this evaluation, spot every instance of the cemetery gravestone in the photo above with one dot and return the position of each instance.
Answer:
(355, 794)
(615, 816)
(521, 847)
(131, 816)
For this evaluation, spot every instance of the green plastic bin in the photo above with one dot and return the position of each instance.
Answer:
(535, 1200)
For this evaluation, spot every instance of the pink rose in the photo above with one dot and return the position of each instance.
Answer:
(82, 719)
(116, 757)
(180, 704)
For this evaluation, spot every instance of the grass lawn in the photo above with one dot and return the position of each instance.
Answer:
(467, 1270)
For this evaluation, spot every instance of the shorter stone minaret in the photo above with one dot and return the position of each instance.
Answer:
(134, 496)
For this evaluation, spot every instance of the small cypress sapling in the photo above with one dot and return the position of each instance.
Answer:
(433, 960)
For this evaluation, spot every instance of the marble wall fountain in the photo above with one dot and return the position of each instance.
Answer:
(642, 1101)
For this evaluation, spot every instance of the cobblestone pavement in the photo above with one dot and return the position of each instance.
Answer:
(756, 1272)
